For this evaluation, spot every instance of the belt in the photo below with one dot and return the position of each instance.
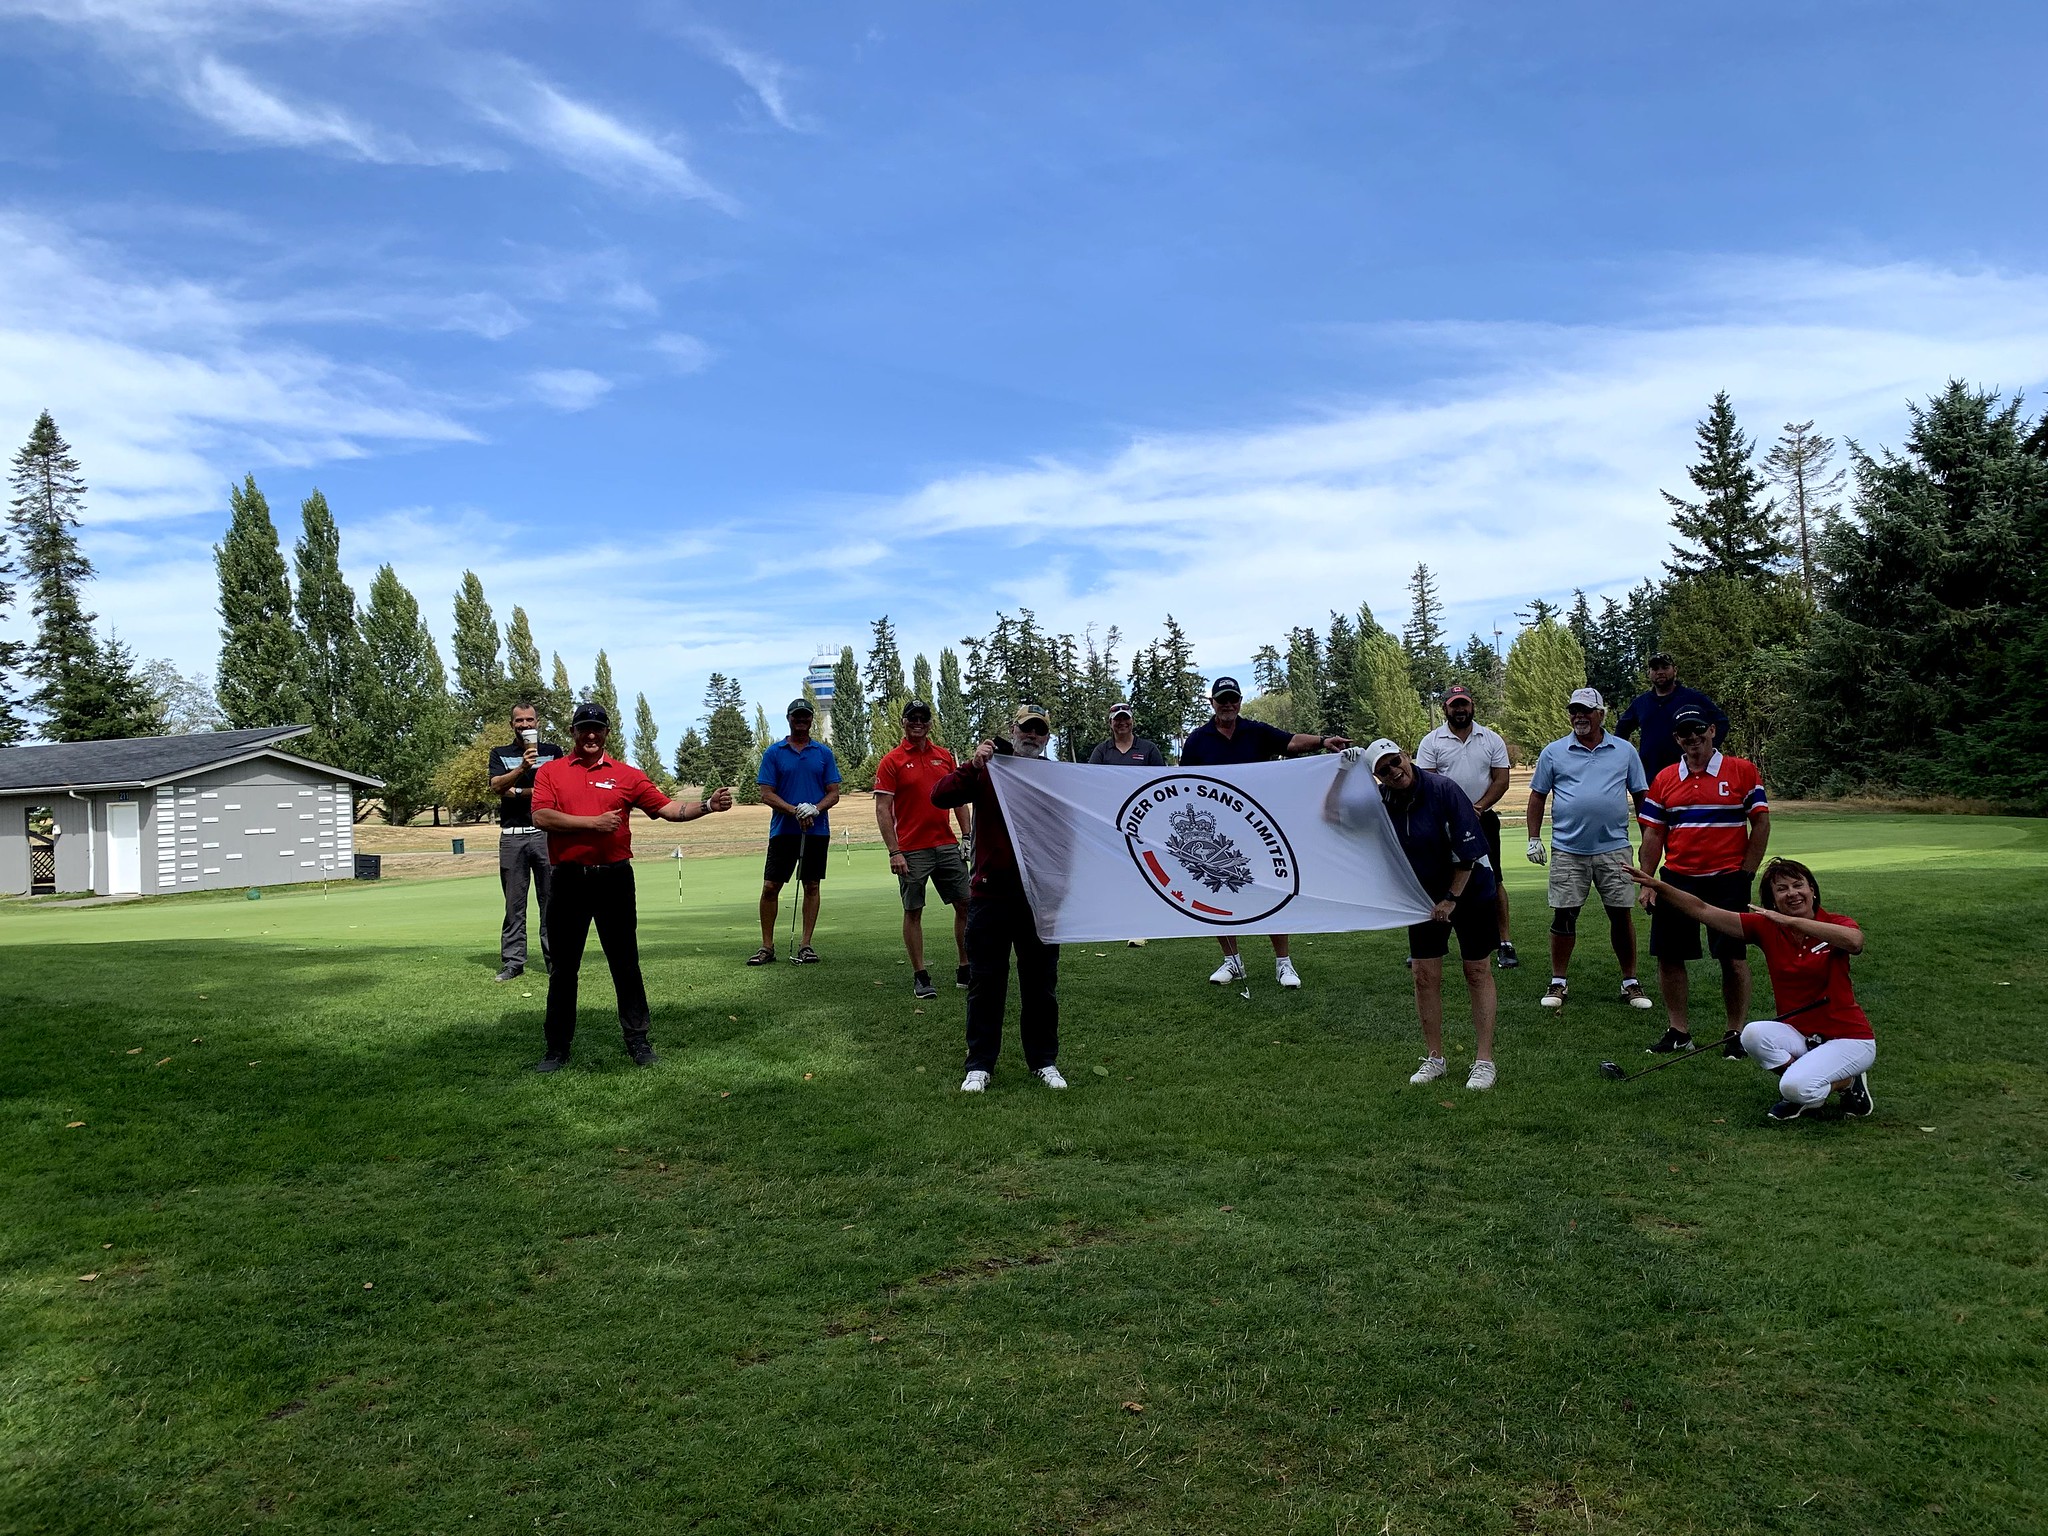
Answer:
(518, 831)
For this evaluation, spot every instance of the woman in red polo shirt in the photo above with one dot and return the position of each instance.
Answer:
(1821, 1041)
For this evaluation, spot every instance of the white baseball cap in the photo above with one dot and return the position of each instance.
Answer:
(1378, 752)
(1588, 698)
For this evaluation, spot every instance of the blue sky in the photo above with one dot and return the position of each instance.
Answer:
(709, 333)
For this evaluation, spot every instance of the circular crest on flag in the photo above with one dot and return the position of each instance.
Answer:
(1209, 850)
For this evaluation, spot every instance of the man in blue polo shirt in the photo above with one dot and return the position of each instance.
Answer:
(1593, 777)
(1228, 737)
(799, 781)
(1654, 713)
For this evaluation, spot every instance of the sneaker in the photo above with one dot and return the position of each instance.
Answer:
(1050, 1076)
(1555, 994)
(1232, 969)
(551, 1064)
(805, 956)
(642, 1053)
(1731, 1049)
(974, 1082)
(1505, 957)
(1481, 1077)
(1633, 994)
(960, 977)
(1431, 1069)
(1856, 1099)
(921, 986)
(765, 955)
(1782, 1111)
(1283, 968)
(1671, 1040)
(1134, 943)
(510, 973)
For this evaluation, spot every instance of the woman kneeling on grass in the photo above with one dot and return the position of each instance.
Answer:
(1807, 951)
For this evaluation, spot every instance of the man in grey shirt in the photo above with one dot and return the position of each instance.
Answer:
(1125, 747)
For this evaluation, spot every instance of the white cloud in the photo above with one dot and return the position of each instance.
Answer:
(765, 76)
(235, 102)
(568, 389)
(584, 138)
(685, 353)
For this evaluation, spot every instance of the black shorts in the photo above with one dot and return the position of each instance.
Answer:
(1674, 936)
(1489, 823)
(1475, 924)
(782, 857)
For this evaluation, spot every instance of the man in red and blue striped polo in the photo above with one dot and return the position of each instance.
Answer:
(1706, 819)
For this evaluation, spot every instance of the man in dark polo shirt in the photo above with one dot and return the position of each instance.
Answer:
(922, 848)
(522, 847)
(1230, 737)
(1652, 713)
(799, 781)
(584, 804)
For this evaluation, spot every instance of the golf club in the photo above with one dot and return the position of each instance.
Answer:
(1612, 1070)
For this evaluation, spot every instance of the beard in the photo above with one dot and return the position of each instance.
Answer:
(1025, 748)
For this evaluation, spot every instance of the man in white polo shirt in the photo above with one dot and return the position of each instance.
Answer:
(1476, 760)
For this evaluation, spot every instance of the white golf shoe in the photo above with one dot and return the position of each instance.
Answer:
(1431, 1069)
(974, 1082)
(1481, 1076)
(1283, 968)
(1232, 969)
(1050, 1076)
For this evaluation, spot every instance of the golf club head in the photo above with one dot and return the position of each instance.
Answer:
(1611, 1069)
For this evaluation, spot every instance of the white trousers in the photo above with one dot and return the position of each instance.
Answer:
(1814, 1070)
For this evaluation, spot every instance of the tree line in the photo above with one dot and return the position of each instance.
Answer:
(1871, 626)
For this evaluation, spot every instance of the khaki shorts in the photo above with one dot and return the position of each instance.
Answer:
(1572, 875)
(943, 866)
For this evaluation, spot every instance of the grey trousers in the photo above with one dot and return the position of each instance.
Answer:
(522, 857)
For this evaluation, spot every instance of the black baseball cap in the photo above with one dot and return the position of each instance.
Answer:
(917, 707)
(799, 707)
(590, 712)
(1660, 659)
(1692, 714)
(1225, 687)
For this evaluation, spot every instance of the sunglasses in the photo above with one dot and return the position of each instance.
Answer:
(1387, 769)
(1690, 732)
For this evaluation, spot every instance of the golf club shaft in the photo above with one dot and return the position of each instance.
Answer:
(1698, 1050)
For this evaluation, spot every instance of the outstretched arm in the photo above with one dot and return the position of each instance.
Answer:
(690, 810)
(1717, 918)
(1848, 940)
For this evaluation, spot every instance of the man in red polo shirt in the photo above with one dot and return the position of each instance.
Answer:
(1706, 818)
(584, 803)
(920, 840)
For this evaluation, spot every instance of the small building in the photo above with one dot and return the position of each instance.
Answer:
(819, 681)
(173, 813)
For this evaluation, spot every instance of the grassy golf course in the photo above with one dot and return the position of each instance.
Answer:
(290, 1241)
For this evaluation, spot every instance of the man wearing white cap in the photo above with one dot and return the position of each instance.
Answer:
(1594, 777)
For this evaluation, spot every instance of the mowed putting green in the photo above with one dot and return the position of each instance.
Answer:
(322, 1256)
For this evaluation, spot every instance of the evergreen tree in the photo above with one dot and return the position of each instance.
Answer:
(693, 764)
(1800, 465)
(728, 743)
(1727, 532)
(1169, 695)
(952, 726)
(1269, 670)
(849, 714)
(763, 737)
(524, 682)
(331, 643)
(1544, 666)
(262, 677)
(647, 745)
(1739, 643)
(408, 730)
(1424, 640)
(921, 679)
(1539, 610)
(1305, 679)
(1340, 666)
(884, 678)
(13, 725)
(604, 691)
(49, 490)
(1477, 669)
(106, 698)
(481, 687)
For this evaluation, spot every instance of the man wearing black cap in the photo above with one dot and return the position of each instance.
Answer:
(1228, 737)
(1653, 711)
(919, 837)
(799, 781)
(584, 803)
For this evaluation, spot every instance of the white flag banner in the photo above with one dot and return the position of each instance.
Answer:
(1113, 853)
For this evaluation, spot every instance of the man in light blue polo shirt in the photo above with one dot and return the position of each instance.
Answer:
(1594, 777)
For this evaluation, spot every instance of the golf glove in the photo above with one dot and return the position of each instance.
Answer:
(1351, 757)
(807, 811)
(1536, 851)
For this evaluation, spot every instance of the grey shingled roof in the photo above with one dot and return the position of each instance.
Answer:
(145, 760)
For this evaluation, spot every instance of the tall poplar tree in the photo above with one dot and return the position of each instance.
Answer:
(262, 675)
(952, 726)
(480, 682)
(1730, 530)
(333, 646)
(1544, 665)
(526, 683)
(558, 702)
(606, 692)
(408, 728)
(921, 679)
(849, 714)
(647, 745)
(49, 491)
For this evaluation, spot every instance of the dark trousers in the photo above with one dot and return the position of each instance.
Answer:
(996, 925)
(522, 858)
(600, 893)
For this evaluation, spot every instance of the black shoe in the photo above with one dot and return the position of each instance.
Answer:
(805, 956)
(1671, 1041)
(1732, 1049)
(551, 1063)
(762, 956)
(1783, 1111)
(921, 986)
(510, 973)
(642, 1053)
(1505, 957)
(1856, 1099)
(960, 977)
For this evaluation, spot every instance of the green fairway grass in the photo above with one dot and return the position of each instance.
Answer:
(358, 1270)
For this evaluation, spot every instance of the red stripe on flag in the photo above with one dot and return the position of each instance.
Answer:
(1152, 860)
(1203, 906)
